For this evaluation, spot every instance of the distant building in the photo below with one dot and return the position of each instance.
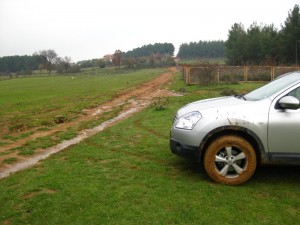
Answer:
(108, 58)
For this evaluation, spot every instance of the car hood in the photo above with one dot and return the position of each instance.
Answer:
(228, 104)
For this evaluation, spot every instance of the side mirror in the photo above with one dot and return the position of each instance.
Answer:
(289, 102)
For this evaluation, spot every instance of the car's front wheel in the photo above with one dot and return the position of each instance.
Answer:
(230, 160)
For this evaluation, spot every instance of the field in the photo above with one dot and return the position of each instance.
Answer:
(33, 102)
(40, 112)
(127, 175)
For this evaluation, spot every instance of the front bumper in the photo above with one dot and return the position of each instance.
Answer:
(185, 151)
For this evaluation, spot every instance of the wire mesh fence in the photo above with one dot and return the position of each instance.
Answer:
(231, 74)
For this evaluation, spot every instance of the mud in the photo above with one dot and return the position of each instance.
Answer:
(133, 101)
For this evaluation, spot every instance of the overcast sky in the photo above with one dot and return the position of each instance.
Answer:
(86, 29)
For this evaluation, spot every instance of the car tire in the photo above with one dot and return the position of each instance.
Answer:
(230, 160)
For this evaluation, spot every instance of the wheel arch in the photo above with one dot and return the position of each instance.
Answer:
(254, 140)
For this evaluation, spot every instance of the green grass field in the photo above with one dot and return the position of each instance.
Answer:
(127, 175)
(35, 101)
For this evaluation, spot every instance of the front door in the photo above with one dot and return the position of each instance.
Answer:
(284, 133)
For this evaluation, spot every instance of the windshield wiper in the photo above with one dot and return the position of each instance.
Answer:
(240, 96)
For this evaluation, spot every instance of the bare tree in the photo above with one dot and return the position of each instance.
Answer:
(63, 64)
(67, 63)
(117, 58)
(50, 56)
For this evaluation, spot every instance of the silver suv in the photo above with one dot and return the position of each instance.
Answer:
(232, 135)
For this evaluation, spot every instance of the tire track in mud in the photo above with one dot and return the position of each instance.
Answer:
(132, 100)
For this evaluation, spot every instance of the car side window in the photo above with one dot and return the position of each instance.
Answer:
(295, 93)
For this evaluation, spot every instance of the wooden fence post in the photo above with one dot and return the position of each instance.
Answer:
(245, 73)
(189, 75)
(272, 73)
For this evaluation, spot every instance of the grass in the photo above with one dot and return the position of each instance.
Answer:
(30, 147)
(10, 160)
(127, 175)
(35, 102)
(39, 103)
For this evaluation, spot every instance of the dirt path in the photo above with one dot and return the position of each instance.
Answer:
(132, 101)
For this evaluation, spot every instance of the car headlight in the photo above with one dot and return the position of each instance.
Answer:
(188, 121)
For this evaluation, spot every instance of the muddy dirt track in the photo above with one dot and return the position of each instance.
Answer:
(131, 101)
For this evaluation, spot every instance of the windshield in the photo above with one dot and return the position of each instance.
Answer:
(273, 87)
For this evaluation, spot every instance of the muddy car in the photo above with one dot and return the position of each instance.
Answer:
(230, 136)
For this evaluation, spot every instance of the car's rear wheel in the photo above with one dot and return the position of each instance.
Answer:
(230, 160)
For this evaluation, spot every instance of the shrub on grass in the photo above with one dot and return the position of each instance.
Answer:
(160, 103)
(228, 92)
(10, 160)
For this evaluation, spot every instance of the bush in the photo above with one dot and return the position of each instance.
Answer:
(231, 79)
(25, 72)
(160, 103)
(204, 74)
(74, 69)
(60, 119)
(60, 69)
(182, 90)
(101, 63)
(228, 92)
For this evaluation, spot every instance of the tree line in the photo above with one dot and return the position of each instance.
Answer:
(157, 55)
(202, 49)
(148, 50)
(19, 63)
(42, 60)
(264, 44)
(143, 57)
(93, 63)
